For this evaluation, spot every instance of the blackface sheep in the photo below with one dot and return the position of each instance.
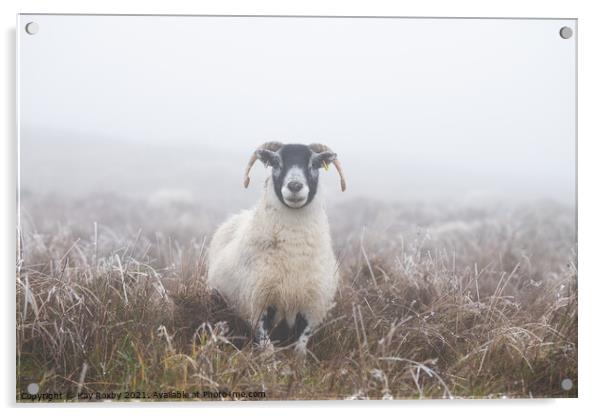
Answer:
(274, 263)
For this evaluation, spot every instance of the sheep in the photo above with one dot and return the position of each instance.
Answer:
(274, 263)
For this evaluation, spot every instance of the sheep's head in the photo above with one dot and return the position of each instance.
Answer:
(295, 170)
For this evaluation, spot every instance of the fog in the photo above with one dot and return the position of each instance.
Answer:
(415, 108)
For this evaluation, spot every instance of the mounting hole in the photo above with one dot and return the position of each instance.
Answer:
(32, 28)
(33, 388)
(566, 32)
(566, 384)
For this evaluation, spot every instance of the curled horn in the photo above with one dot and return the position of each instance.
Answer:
(273, 146)
(319, 148)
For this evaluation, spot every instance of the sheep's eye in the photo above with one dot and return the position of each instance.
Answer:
(316, 163)
(274, 162)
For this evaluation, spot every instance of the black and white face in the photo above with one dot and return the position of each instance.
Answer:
(295, 172)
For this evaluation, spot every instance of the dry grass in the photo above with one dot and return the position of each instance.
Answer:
(434, 302)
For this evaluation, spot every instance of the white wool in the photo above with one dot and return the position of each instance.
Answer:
(272, 255)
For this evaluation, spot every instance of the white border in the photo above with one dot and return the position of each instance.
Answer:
(590, 176)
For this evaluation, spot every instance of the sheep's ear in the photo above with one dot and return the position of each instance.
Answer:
(268, 157)
(322, 160)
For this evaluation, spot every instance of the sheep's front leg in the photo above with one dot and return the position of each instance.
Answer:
(303, 331)
(262, 334)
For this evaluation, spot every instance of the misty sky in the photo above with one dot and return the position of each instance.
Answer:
(415, 108)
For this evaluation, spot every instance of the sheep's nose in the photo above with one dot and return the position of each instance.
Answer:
(295, 186)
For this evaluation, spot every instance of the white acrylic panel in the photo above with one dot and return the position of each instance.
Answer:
(454, 243)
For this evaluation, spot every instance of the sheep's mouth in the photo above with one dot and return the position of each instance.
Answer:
(295, 202)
